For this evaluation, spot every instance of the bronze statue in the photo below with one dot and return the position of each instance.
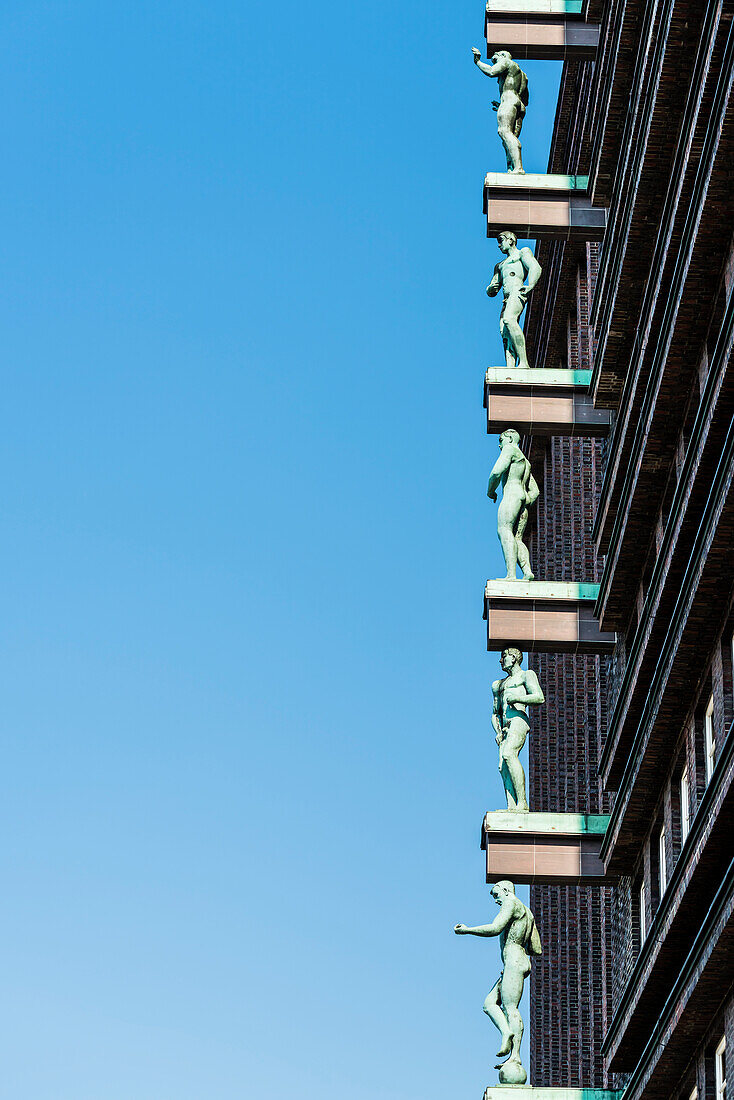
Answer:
(512, 696)
(509, 276)
(512, 103)
(519, 938)
(519, 492)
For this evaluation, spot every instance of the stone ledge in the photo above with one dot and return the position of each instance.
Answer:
(539, 206)
(535, 7)
(529, 1092)
(543, 849)
(537, 181)
(540, 36)
(552, 405)
(544, 617)
(534, 822)
(562, 378)
(569, 591)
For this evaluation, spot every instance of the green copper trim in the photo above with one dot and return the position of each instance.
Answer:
(529, 1092)
(535, 181)
(563, 378)
(566, 591)
(517, 821)
(523, 8)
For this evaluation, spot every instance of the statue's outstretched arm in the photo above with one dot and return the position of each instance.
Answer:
(486, 69)
(496, 928)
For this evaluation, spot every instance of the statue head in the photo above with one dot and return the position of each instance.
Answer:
(501, 61)
(507, 240)
(509, 435)
(510, 657)
(502, 890)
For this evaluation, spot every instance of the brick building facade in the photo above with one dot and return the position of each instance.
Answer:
(634, 988)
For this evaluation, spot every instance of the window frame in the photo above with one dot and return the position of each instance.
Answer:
(684, 792)
(709, 740)
(720, 1069)
(642, 902)
(662, 861)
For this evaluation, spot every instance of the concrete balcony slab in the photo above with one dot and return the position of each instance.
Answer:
(529, 1092)
(533, 36)
(542, 402)
(536, 205)
(568, 8)
(544, 849)
(544, 617)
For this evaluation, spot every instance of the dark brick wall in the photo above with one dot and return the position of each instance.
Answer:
(701, 1072)
(665, 806)
(590, 936)
(568, 983)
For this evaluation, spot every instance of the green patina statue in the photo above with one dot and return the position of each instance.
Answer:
(512, 696)
(509, 277)
(515, 925)
(519, 492)
(512, 103)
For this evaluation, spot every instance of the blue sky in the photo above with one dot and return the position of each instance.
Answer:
(246, 745)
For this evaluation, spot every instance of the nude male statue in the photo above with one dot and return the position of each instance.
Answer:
(512, 103)
(512, 696)
(519, 938)
(509, 276)
(519, 492)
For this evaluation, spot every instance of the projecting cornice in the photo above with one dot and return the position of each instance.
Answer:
(544, 617)
(537, 206)
(542, 402)
(542, 30)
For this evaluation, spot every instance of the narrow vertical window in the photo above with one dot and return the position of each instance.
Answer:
(662, 862)
(643, 919)
(720, 1072)
(685, 805)
(709, 739)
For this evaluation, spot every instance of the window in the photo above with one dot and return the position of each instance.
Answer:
(643, 902)
(694, 1095)
(709, 739)
(720, 1070)
(685, 807)
(662, 862)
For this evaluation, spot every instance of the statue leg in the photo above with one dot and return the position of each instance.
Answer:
(511, 987)
(508, 515)
(511, 747)
(511, 320)
(509, 548)
(493, 1009)
(521, 550)
(510, 790)
(506, 342)
(506, 124)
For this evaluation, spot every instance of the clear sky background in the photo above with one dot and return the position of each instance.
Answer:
(246, 744)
